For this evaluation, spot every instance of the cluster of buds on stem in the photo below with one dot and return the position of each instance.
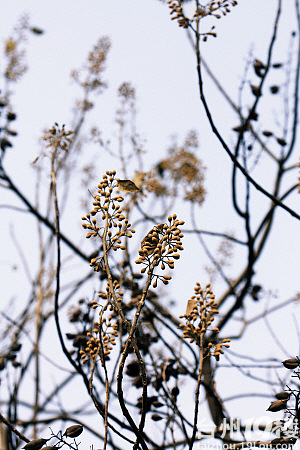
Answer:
(200, 312)
(58, 137)
(216, 7)
(160, 248)
(213, 8)
(115, 225)
(176, 12)
(102, 337)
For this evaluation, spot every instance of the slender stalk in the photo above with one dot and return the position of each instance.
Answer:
(197, 392)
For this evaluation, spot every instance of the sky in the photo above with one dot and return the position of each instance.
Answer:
(153, 53)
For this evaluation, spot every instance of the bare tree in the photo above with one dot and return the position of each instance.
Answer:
(125, 363)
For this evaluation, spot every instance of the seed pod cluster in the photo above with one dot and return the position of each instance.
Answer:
(160, 248)
(6, 131)
(11, 355)
(200, 312)
(108, 205)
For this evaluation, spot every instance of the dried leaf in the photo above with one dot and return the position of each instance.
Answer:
(190, 306)
(127, 186)
(137, 179)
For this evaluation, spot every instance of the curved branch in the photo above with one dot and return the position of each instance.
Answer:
(221, 140)
(13, 429)
(43, 219)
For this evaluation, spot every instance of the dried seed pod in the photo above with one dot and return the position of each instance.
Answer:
(175, 391)
(16, 364)
(240, 128)
(35, 444)
(16, 346)
(291, 363)
(278, 405)
(253, 115)
(283, 395)
(11, 116)
(157, 404)
(11, 132)
(281, 141)
(259, 68)
(73, 431)
(133, 369)
(36, 30)
(2, 363)
(156, 417)
(5, 143)
(274, 89)
(256, 90)
(267, 133)
(255, 292)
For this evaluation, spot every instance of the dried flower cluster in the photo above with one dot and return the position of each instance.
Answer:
(95, 65)
(223, 258)
(107, 204)
(216, 8)
(186, 168)
(126, 91)
(14, 53)
(89, 77)
(58, 137)
(180, 173)
(151, 182)
(213, 8)
(199, 316)
(160, 248)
